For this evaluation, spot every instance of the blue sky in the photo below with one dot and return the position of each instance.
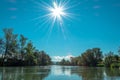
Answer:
(92, 23)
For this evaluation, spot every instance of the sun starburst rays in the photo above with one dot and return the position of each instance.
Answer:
(56, 12)
(54, 15)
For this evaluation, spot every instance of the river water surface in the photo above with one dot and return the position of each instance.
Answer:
(58, 73)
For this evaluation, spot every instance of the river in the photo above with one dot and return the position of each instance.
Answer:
(55, 72)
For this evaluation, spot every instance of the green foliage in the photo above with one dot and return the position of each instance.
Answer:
(108, 61)
(1, 45)
(100, 65)
(64, 62)
(22, 43)
(42, 58)
(114, 65)
(91, 57)
(76, 60)
(111, 60)
(17, 51)
(10, 42)
(20, 52)
(29, 57)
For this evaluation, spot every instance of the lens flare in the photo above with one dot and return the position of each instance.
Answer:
(57, 11)
(53, 14)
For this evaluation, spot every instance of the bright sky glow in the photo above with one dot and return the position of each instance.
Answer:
(56, 14)
(57, 11)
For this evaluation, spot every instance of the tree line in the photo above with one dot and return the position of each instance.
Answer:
(94, 58)
(17, 50)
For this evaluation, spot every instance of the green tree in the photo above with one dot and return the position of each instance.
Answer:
(1, 51)
(11, 44)
(76, 60)
(44, 58)
(63, 62)
(30, 58)
(1, 46)
(108, 59)
(22, 43)
(91, 57)
(116, 58)
(11, 47)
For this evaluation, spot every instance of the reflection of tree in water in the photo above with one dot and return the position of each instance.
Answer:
(89, 73)
(25, 73)
(66, 70)
(112, 72)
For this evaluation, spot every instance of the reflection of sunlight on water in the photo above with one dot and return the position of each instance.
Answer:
(104, 73)
(68, 72)
(62, 73)
(61, 70)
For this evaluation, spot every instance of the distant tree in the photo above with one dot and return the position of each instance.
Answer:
(1, 51)
(76, 60)
(22, 44)
(29, 54)
(91, 57)
(109, 59)
(44, 58)
(7, 35)
(11, 44)
(63, 62)
(116, 58)
(14, 44)
(1, 46)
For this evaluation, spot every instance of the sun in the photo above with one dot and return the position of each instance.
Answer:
(54, 11)
(53, 15)
(57, 11)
